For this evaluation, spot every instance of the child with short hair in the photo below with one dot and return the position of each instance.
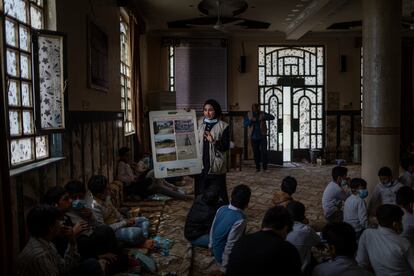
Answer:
(302, 236)
(335, 194)
(342, 245)
(385, 191)
(288, 188)
(383, 249)
(407, 177)
(133, 231)
(355, 209)
(229, 225)
(405, 199)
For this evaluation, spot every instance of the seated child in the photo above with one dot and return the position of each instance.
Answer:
(405, 199)
(302, 236)
(288, 188)
(335, 194)
(229, 225)
(141, 180)
(133, 231)
(385, 191)
(383, 249)
(355, 209)
(98, 241)
(407, 177)
(342, 243)
(200, 217)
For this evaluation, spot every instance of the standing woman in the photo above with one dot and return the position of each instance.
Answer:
(214, 137)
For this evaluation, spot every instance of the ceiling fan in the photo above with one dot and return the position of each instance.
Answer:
(220, 17)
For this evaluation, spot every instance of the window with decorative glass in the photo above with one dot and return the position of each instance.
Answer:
(171, 73)
(126, 94)
(34, 81)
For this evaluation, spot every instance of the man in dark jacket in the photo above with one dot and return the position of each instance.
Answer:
(266, 252)
(201, 216)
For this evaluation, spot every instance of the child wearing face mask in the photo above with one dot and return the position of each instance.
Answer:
(355, 209)
(383, 249)
(336, 192)
(385, 191)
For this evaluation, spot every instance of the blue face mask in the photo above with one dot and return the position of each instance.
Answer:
(210, 121)
(363, 193)
(344, 183)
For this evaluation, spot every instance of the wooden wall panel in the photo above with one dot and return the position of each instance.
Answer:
(110, 151)
(87, 152)
(96, 148)
(64, 166)
(104, 148)
(77, 157)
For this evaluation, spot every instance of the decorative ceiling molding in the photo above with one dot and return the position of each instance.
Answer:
(315, 13)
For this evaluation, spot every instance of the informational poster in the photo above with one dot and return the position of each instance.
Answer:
(174, 143)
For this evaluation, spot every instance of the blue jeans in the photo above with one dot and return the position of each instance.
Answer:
(201, 241)
(134, 235)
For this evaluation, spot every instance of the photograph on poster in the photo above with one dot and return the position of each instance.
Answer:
(186, 146)
(184, 126)
(166, 154)
(162, 127)
(177, 171)
(164, 141)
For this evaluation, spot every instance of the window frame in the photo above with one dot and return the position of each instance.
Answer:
(32, 82)
(127, 98)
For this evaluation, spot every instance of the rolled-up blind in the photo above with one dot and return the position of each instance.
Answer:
(201, 73)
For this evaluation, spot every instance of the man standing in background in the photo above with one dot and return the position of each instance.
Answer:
(257, 121)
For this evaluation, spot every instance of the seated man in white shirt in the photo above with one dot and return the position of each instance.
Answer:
(385, 191)
(355, 209)
(383, 249)
(341, 240)
(407, 177)
(405, 199)
(335, 194)
(302, 236)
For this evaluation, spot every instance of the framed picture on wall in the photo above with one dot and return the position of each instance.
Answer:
(98, 71)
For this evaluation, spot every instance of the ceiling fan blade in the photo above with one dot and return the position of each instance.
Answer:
(239, 21)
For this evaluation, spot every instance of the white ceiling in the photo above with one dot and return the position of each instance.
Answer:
(294, 18)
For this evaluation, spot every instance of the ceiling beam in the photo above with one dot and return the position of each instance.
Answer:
(315, 13)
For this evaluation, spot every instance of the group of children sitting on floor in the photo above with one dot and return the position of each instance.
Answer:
(284, 244)
(72, 233)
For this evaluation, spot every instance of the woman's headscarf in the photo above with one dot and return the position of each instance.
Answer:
(215, 105)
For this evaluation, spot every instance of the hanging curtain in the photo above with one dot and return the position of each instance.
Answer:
(137, 28)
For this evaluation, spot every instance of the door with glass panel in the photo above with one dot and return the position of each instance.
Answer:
(291, 88)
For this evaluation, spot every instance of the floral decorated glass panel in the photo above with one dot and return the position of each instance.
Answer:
(11, 33)
(16, 9)
(13, 93)
(26, 94)
(25, 67)
(51, 81)
(24, 38)
(42, 148)
(27, 122)
(15, 125)
(36, 18)
(12, 63)
(21, 150)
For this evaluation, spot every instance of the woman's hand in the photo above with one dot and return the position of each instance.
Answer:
(208, 136)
